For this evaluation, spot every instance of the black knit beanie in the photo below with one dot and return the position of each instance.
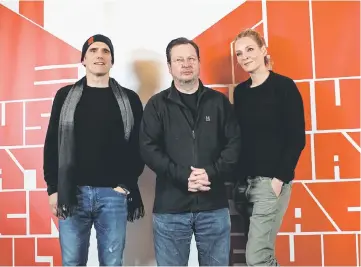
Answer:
(97, 38)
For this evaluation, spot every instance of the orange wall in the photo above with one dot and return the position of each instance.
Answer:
(324, 59)
(321, 52)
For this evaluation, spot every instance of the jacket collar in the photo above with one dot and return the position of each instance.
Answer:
(174, 93)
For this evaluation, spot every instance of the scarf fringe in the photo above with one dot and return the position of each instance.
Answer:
(136, 214)
(65, 211)
(135, 210)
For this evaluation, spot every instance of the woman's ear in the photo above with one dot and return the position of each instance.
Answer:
(264, 51)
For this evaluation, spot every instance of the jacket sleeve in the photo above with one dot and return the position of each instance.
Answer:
(153, 154)
(227, 161)
(137, 164)
(50, 155)
(295, 136)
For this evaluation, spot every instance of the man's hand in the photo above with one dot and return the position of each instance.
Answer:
(53, 202)
(120, 190)
(277, 186)
(198, 180)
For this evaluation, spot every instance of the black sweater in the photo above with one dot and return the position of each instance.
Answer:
(103, 157)
(272, 122)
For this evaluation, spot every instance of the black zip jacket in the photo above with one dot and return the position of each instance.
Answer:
(171, 142)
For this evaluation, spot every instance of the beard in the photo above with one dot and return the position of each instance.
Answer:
(187, 81)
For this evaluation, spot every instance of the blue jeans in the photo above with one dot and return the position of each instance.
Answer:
(173, 234)
(107, 210)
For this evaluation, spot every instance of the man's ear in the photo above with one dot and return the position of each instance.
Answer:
(169, 68)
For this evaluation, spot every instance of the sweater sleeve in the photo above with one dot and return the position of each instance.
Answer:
(294, 127)
(50, 153)
(236, 177)
(137, 164)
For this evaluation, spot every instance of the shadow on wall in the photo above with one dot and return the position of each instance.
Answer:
(139, 248)
(147, 68)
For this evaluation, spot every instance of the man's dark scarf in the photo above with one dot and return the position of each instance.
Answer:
(67, 189)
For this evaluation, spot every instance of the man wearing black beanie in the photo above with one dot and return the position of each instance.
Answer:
(98, 38)
(92, 161)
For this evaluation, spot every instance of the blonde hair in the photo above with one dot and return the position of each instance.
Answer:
(258, 38)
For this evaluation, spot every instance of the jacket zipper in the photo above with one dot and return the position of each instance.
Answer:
(194, 158)
(194, 141)
(194, 148)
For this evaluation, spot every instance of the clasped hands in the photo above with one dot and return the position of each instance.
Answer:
(198, 180)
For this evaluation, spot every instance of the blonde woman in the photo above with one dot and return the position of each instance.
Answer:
(269, 109)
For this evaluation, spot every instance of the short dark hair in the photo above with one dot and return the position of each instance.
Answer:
(180, 41)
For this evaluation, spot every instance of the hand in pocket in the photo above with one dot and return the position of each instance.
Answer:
(120, 190)
(277, 186)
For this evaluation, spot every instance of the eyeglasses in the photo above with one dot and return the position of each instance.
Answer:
(181, 61)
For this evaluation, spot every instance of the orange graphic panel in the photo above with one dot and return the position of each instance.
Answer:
(44, 222)
(36, 121)
(223, 90)
(336, 245)
(304, 88)
(304, 251)
(12, 176)
(337, 157)
(336, 38)
(6, 252)
(12, 213)
(27, 257)
(50, 247)
(337, 102)
(28, 231)
(290, 38)
(304, 213)
(345, 198)
(304, 167)
(55, 74)
(11, 121)
(33, 10)
(36, 49)
(30, 160)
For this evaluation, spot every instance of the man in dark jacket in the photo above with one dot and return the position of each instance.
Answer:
(92, 161)
(190, 138)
